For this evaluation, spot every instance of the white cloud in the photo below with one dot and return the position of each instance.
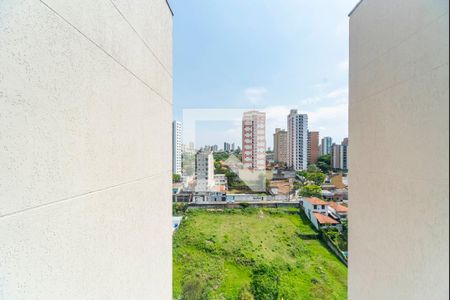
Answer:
(255, 94)
(342, 92)
(328, 114)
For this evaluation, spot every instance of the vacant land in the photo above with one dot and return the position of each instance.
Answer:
(267, 253)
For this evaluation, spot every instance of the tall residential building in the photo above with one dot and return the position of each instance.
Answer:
(85, 150)
(254, 140)
(339, 155)
(204, 170)
(233, 146)
(325, 146)
(280, 146)
(297, 140)
(344, 154)
(399, 155)
(313, 147)
(336, 156)
(177, 145)
(226, 147)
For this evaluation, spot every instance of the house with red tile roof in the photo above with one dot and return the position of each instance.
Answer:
(317, 211)
(337, 210)
(324, 220)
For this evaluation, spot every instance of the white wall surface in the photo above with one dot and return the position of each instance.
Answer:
(398, 114)
(85, 149)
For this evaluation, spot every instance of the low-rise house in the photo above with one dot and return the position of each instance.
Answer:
(321, 221)
(340, 195)
(337, 210)
(327, 195)
(317, 211)
(220, 182)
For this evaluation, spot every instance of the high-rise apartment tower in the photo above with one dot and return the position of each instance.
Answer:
(297, 140)
(280, 146)
(313, 147)
(177, 146)
(254, 140)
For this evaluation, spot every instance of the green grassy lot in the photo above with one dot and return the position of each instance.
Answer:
(223, 254)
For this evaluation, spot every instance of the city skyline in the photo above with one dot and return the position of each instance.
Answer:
(220, 140)
(292, 55)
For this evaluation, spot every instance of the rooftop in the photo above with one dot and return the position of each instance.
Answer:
(315, 201)
(338, 208)
(322, 219)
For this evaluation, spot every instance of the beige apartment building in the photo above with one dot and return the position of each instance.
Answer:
(398, 126)
(85, 149)
(280, 150)
(254, 140)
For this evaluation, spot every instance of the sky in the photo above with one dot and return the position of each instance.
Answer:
(269, 55)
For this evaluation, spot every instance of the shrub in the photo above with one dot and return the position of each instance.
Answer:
(244, 205)
(265, 282)
(245, 293)
(193, 289)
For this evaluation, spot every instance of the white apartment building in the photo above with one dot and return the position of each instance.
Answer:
(177, 147)
(297, 125)
(399, 155)
(254, 140)
(204, 170)
(85, 144)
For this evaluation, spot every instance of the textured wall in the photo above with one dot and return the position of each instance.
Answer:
(398, 218)
(85, 149)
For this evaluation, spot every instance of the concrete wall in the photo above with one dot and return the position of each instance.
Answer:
(398, 114)
(85, 149)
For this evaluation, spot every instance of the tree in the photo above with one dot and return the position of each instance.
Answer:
(311, 190)
(176, 178)
(312, 168)
(317, 177)
(302, 177)
(324, 163)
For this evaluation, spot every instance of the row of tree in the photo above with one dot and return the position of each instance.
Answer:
(309, 181)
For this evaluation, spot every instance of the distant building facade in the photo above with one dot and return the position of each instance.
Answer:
(339, 155)
(280, 146)
(254, 140)
(297, 140)
(226, 147)
(326, 145)
(204, 169)
(313, 147)
(177, 145)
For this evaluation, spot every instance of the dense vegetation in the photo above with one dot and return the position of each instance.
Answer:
(324, 163)
(309, 181)
(176, 178)
(253, 254)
